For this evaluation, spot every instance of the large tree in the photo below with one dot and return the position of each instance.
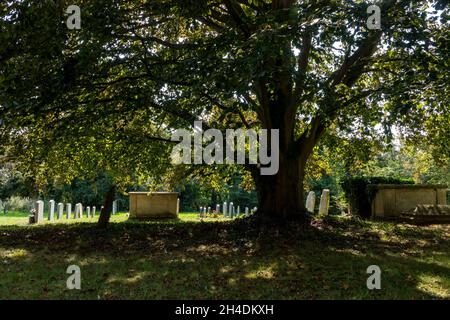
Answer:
(137, 68)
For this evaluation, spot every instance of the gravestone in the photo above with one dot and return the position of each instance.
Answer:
(78, 211)
(238, 211)
(88, 212)
(324, 202)
(225, 209)
(114, 208)
(69, 211)
(247, 213)
(60, 210)
(311, 202)
(93, 211)
(231, 210)
(218, 209)
(39, 213)
(51, 210)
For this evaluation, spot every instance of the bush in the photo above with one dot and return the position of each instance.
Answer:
(359, 193)
(16, 203)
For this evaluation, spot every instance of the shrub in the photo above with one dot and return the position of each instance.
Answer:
(359, 192)
(19, 204)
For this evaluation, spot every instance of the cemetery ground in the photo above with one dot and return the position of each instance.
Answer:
(223, 259)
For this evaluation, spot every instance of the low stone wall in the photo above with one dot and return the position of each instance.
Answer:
(144, 205)
(395, 200)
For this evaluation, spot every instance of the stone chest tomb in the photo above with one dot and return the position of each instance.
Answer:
(154, 205)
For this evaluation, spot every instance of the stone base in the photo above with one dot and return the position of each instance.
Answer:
(432, 210)
(426, 219)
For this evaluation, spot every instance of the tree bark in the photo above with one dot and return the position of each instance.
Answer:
(105, 213)
(281, 195)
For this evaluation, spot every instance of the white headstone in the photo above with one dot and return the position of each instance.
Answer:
(93, 211)
(231, 210)
(247, 212)
(51, 210)
(311, 202)
(60, 210)
(114, 208)
(78, 211)
(225, 209)
(178, 206)
(39, 214)
(238, 211)
(88, 212)
(69, 211)
(324, 202)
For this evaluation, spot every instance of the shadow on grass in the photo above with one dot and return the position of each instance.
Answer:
(172, 260)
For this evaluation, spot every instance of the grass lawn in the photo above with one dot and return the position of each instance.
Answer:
(190, 259)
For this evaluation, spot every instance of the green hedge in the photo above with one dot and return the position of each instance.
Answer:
(359, 194)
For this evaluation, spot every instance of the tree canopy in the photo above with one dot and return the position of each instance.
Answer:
(110, 93)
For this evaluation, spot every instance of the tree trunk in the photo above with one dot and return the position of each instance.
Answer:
(105, 213)
(281, 195)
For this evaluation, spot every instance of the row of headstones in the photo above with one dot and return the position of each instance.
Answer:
(228, 211)
(79, 210)
(324, 205)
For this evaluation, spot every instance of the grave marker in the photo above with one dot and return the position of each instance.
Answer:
(114, 208)
(69, 211)
(51, 210)
(324, 202)
(311, 202)
(60, 210)
(39, 214)
(78, 211)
